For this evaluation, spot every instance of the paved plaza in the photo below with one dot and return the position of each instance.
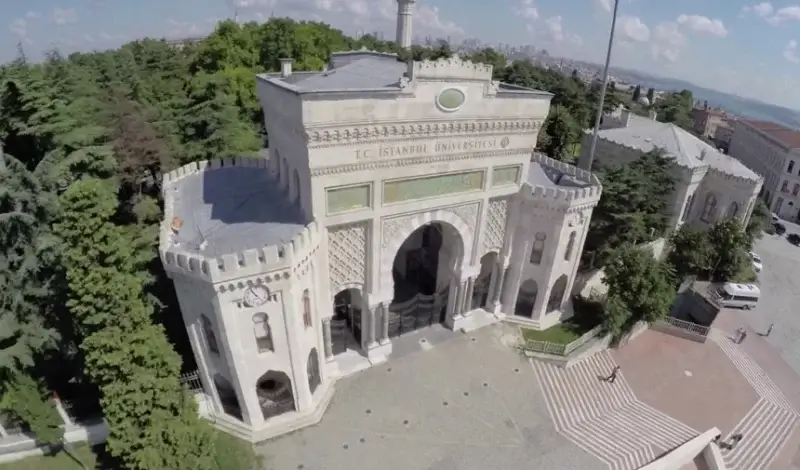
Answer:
(448, 401)
(780, 297)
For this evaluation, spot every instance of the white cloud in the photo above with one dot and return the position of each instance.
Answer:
(555, 28)
(703, 24)
(790, 52)
(528, 12)
(633, 29)
(670, 54)
(606, 5)
(791, 12)
(32, 15)
(761, 10)
(668, 33)
(64, 16)
(19, 27)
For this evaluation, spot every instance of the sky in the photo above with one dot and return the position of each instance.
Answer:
(735, 46)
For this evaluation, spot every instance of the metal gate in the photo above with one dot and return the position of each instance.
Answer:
(419, 312)
(345, 328)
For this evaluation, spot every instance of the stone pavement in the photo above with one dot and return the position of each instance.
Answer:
(468, 403)
(606, 419)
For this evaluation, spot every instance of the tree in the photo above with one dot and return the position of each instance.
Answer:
(641, 288)
(25, 400)
(760, 219)
(691, 252)
(491, 57)
(153, 422)
(562, 132)
(633, 208)
(651, 95)
(637, 93)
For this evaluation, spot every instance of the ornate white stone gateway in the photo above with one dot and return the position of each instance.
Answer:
(320, 217)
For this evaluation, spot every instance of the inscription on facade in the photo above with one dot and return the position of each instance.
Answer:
(439, 146)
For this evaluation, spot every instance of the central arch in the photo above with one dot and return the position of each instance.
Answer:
(423, 270)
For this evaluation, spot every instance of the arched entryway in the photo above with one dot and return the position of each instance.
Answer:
(312, 370)
(480, 290)
(346, 321)
(227, 397)
(422, 272)
(557, 294)
(275, 396)
(526, 299)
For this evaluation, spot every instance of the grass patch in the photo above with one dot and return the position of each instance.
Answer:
(587, 315)
(58, 461)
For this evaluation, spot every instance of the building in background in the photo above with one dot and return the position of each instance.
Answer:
(393, 197)
(773, 151)
(706, 120)
(711, 185)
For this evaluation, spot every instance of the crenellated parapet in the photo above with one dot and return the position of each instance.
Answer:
(735, 178)
(450, 68)
(564, 196)
(287, 257)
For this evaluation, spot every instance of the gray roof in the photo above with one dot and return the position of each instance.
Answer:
(547, 176)
(232, 209)
(687, 150)
(366, 73)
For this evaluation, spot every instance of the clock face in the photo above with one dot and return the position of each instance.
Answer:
(256, 296)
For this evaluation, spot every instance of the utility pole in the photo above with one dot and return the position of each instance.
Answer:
(587, 165)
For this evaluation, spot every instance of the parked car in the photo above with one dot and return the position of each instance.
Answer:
(793, 238)
(780, 229)
(756, 262)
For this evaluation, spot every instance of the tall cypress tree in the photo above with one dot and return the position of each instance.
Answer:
(153, 421)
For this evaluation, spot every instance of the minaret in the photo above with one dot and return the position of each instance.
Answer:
(405, 8)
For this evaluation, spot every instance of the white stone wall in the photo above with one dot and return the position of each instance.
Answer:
(764, 156)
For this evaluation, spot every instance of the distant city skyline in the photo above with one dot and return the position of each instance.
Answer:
(747, 48)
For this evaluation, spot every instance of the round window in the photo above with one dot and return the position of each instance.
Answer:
(451, 99)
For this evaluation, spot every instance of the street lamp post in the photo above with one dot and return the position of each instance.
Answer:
(588, 164)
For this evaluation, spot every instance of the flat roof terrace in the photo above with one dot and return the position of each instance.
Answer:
(230, 209)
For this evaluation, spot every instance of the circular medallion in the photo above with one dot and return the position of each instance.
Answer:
(450, 99)
(504, 142)
(256, 296)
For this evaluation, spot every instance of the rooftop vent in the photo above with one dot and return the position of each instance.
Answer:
(286, 67)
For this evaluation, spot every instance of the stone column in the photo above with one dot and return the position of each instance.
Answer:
(468, 296)
(384, 338)
(452, 301)
(369, 331)
(462, 294)
(297, 352)
(326, 338)
(498, 284)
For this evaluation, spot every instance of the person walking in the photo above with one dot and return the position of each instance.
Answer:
(743, 336)
(613, 377)
(769, 330)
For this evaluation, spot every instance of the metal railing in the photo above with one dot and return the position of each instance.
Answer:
(557, 349)
(191, 380)
(684, 325)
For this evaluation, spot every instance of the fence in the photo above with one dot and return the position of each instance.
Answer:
(191, 381)
(693, 328)
(560, 349)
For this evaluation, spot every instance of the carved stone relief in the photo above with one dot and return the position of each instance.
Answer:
(468, 213)
(495, 228)
(347, 252)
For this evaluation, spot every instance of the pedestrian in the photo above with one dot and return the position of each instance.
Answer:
(742, 338)
(737, 337)
(613, 377)
(769, 330)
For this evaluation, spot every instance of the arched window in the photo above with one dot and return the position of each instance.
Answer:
(709, 208)
(557, 294)
(312, 370)
(263, 333)
(791, 166)
(687, 209)
(296, 186)
(306, 309)
(796, 189)
(570, 246)
(538, 247)
(733, 210)
(208, 332)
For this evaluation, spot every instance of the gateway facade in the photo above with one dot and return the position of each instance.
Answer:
(392, 197)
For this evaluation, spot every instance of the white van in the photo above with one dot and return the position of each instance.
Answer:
(737, 295)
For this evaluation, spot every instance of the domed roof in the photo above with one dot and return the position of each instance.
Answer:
(643, 100)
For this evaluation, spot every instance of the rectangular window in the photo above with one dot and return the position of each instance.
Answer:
(432, 186)
(349, 198)
(506, 175)
(795, 189)
(791, 166)
(785, 187)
